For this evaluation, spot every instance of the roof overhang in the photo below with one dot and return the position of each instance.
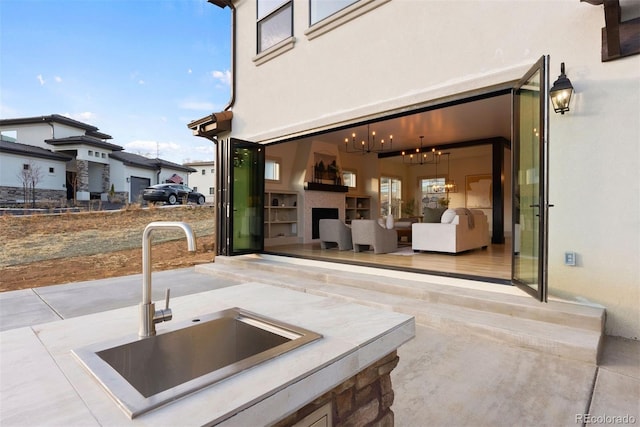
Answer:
(221, 3)
(32, 151)
(83, 140)
(212, 125)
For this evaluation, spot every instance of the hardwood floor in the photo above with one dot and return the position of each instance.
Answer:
(491, 264)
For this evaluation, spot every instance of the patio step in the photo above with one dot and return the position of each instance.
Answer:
(564, 329)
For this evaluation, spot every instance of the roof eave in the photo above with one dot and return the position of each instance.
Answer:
(212, 125)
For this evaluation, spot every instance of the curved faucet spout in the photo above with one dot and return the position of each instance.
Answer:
(148, 315)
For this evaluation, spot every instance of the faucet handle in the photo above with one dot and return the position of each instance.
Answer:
(164, 315)
(166, 298)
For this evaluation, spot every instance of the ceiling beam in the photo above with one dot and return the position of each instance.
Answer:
(451, 145)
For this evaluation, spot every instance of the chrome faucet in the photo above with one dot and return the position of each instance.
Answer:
(149, 316)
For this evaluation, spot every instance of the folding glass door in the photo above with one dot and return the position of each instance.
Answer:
(530, 181)
(240, 197)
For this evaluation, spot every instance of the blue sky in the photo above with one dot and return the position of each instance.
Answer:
(139, 70)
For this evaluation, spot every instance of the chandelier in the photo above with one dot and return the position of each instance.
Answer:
(421, 157)
(449, 185)
(368, 146)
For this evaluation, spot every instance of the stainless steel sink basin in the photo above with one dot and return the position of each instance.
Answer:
(142, 374)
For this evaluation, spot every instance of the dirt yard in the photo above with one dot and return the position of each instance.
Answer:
(43, 250)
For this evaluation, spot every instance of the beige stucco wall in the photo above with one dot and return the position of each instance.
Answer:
(407, 52)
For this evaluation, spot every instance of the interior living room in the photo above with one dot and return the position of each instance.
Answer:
(401, 173)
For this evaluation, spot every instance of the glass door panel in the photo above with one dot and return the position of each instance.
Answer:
(241, 191)
(530, 181)
(390, 196)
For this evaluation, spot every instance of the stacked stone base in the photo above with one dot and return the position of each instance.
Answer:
(363, 400)
(12, 195)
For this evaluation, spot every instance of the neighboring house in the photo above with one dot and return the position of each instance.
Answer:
(203, 179)
(87, 172)
(23, 165)
(134, 173)
(448, 74)
(73, 160)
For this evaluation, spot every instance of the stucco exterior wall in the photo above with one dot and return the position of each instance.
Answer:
(406, 53)
(203, 182)
(33, 134)
(11, 170)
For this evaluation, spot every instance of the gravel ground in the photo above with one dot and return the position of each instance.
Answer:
(27, 240)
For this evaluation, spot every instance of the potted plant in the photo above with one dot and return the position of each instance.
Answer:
(409, 208)
(443, 202)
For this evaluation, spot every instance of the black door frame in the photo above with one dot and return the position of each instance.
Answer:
(227, 160)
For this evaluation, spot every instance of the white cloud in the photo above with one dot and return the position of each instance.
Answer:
(58, 79)
(153, 149)
(190, 149)
(223, 77)
(86, 116)
(7, 111)
(189, 71)
(40, 79)
(140, 82)
(197, 105)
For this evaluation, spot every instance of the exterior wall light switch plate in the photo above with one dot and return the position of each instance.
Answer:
(570, 258)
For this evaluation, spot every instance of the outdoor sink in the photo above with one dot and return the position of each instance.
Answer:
(143, 374)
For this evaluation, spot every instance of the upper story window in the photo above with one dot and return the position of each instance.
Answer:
(204, 171)
(272, 169)
(349, 178)
(275, 22)
(321, 9)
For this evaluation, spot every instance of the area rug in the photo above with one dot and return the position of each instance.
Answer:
(403, 251)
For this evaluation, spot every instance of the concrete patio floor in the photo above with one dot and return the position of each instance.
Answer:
(443, 379)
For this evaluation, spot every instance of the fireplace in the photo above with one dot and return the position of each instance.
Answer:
(321, 213)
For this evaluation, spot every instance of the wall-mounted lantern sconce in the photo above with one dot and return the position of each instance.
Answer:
(561, 92)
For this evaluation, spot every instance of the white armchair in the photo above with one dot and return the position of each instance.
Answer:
(367, 232)
(334, 232)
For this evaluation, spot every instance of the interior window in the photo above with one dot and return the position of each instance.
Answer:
(275, 22)
(429, 194)
(349, 178)
(390, 196)
(321, 9)
(272, 170)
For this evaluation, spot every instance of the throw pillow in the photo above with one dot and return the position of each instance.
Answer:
(448, 216)
(433, 214)
(389, 222)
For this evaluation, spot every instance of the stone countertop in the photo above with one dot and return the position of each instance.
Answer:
(42, 383)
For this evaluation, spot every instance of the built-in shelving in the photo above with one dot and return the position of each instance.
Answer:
(280, 218)
(357, 207)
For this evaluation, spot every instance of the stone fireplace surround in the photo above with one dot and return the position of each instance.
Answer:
(319, 199)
